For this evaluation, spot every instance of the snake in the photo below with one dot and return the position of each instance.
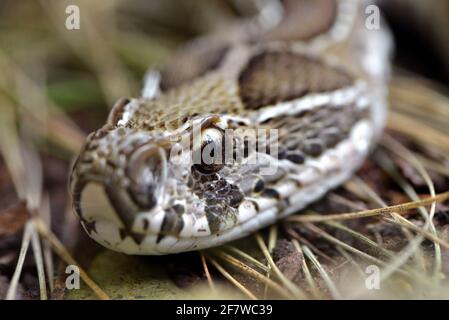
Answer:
(241, 128)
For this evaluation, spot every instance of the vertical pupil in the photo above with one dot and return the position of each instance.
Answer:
(211, 159)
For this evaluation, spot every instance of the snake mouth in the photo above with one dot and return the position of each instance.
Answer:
(109, 216)
(155, 232)
(150, 233)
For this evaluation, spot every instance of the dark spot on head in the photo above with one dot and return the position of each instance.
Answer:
(172, 224)
(146, 224)
(271, 193)
(259, 186)
(297, 158)
(282, 154)
(236, 198)
(212, 215)
(90, 226)
(234, 155)
(123, 234)
(179, 208)
(313, 148)
(138, 238)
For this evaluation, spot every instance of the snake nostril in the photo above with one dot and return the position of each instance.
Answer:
(146, 172)
(143, 195)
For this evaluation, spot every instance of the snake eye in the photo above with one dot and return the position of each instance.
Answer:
(209, 157)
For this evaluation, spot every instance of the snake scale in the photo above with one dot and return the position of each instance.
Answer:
(314, 81)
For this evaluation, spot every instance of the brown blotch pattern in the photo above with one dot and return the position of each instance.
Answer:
(304, 20)
(273, 77)
(191, 63)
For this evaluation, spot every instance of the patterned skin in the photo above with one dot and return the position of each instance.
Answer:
(314, 85)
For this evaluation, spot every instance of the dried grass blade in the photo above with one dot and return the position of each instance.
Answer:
(285, 281)
(234, 281)
(400, 208)
(206, 271)
(330, 284)
(59, 248)
(253, 273)
(26, 239)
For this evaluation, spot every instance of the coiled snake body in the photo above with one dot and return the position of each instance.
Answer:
(313, 82)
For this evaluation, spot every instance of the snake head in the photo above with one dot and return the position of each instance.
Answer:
(119, 173)
(153, 193)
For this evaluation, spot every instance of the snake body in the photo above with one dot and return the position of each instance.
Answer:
(314, 83)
